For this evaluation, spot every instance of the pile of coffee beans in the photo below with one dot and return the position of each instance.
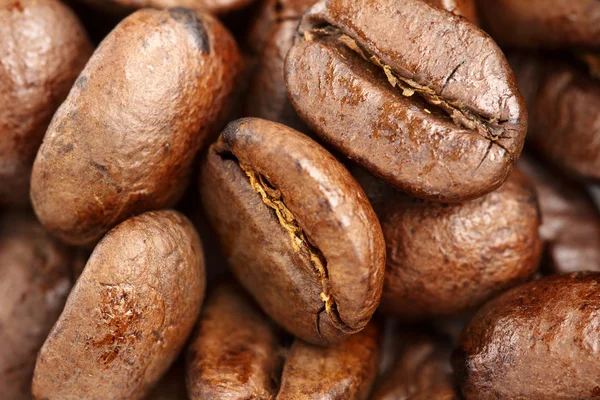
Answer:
(299, 199)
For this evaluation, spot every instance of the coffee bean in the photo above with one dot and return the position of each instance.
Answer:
(447, 259)
(421, 98)
(297, 229)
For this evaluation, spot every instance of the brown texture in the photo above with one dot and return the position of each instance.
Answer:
(570, 221)
(464, 8)
(542, 23)
(420, 97)
(271, 36)
(35, 279)
(297, 229)
(537, 341)
(43, 48)
(235, 352)
(344, 371)
(215, 7)
(563, 102)
(124, 140)
(422, 368)
(447, 259)
(129, 313)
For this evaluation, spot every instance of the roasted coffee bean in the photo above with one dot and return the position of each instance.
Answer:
(43, 48)
(447, 259)
(297, 229)
(272, 36)
(345, 370)
(570, 221)
(235, 353)
(128, 315)
(236, 344)
(418, 96)
(537, 341)
(117, 146)
(422, 368)
(543, 23)
(35, 279)
(563, 102)
(464, 8)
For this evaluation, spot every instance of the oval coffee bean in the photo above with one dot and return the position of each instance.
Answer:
(543, 23)
(570, 221)
(43, 48)
(422, 368)
(446, 259)
(418, 96)
(129, 313)
(235, 353)
(342, 371)
(35, 279)
(563, 102)
(297, 229)
(117, 146)
(537, 341)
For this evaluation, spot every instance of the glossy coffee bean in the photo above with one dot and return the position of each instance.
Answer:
(238, 354)
(234, 344)
(570, 221)
(543, 23)
(563, 100)
(537, 341)
(421, 370)
(297, 229)
(446, 259)
(342, 371)
(418, 96)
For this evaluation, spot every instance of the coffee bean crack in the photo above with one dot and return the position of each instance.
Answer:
(273, 198)
(489, 128)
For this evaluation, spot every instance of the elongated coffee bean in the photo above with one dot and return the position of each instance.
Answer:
(235, 354)
(124, 140)
(342, 371)
(418, 96)
(537, 341)
(447, 259)
(129, 313)
(297, 229)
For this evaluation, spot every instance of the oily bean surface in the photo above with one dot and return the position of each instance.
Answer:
(464, 8)
(537, 341)
(118, 147)
(43, 48)
(129, 313)
(35, 279)
(297, 229)
(214, 7)
(439, 119)
(446, 259)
